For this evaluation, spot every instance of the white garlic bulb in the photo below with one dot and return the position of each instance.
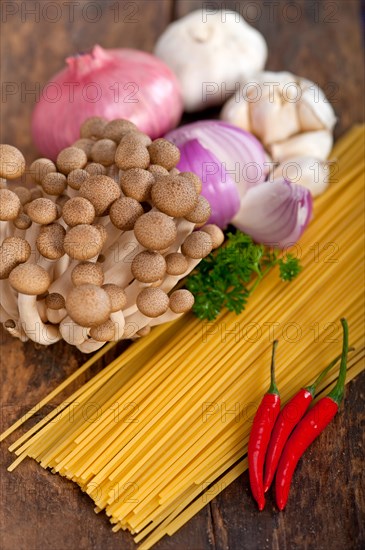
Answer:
(211, 53)
(308, 144)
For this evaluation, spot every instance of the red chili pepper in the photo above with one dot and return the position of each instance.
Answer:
(262, 426)
(288, 418)
(309, 428)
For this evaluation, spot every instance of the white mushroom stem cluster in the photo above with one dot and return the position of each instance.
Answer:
(93, 253)
(293, 119)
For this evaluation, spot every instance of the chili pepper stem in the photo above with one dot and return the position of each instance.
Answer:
(273, 387)
(312, 388)
(338, 391)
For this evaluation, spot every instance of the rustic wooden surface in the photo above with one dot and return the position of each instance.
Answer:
(38, 510)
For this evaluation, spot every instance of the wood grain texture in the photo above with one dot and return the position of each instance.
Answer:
(326, 507)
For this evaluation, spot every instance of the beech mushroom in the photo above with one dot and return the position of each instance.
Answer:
(197, 245)
(87, 273)
(215, 233)
(54, 183)
(131, 153)
(174, 195)
(86, 144)
(116, 129)
(155, 230)
(124, 213)
(23, 194)
(95, 169)
(70, 159)
(10, 205)
(164, 153)
(103, 152)
(176, 263)
(40, 168)
(194, 179)
(76, 177)
(137, 183)
(201, 213)
(78, 210)
(12, 162)
(88, 305)
(55, 304)
(83, 242)
(13, 251)
(148, 266)
(42, 211)
(50, 241)
(30, 280)
(181, 301)
(117, 296)
(152, 302)
(101, 191)
(93, 127)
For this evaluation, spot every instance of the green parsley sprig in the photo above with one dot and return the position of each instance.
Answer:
(227, 277)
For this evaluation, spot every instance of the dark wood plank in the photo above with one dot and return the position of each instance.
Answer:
(44, 511)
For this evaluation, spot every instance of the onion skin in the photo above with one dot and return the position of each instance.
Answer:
(118, 83)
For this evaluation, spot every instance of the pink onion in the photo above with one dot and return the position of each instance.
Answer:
(122, 83)
(271, 212)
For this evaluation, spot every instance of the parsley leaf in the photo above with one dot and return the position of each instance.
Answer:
(227, 277)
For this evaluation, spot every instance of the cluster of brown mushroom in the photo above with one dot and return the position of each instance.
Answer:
(93, 252)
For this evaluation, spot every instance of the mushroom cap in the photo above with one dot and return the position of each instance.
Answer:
(77, 177)
(131, 153)
(104, 332)
(40, 168)
(88, 305)
(42, 211)
(83, 242)
(201, 212)
(176, 263)
(10, 205)
(87, 273)
(158, 170)
(93, 127)
(101, 191)
(136, 183)
(103, 151)
(54, 183)
(164, 153)
(124, 213)
(71, 158)
(12, 162)
(155, 230)
(197, 245)
(173, 195)
(23, 221)
(117, 296)
(194, 179)
(86, 144)
(148, 266)
(23, 193)
(30, 279)
(13, 251)
(116, 129)
(77, 211)
(50, 241)
(95, 169)
(55, 301)
(136, 135)
(215, 233)
(181, 301)
(144, 331)
(152, 302)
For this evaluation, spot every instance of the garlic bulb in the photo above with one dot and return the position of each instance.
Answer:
(309, 172)
(278, 106)
(291, 116)
(211, 53)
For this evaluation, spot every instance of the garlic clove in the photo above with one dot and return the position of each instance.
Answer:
(273, 119)
(309, 144)
(237, 112)
(309, 172)
(314, 110)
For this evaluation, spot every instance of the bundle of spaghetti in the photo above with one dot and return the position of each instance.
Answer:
(164, 428)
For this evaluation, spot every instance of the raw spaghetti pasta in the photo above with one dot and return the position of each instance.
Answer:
(170, 418)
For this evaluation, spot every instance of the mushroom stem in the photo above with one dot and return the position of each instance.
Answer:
(73, 333)
(8, 299)
(15, 329)
(5, 230)
(56, 316)
(32, 323)
(90, 345)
